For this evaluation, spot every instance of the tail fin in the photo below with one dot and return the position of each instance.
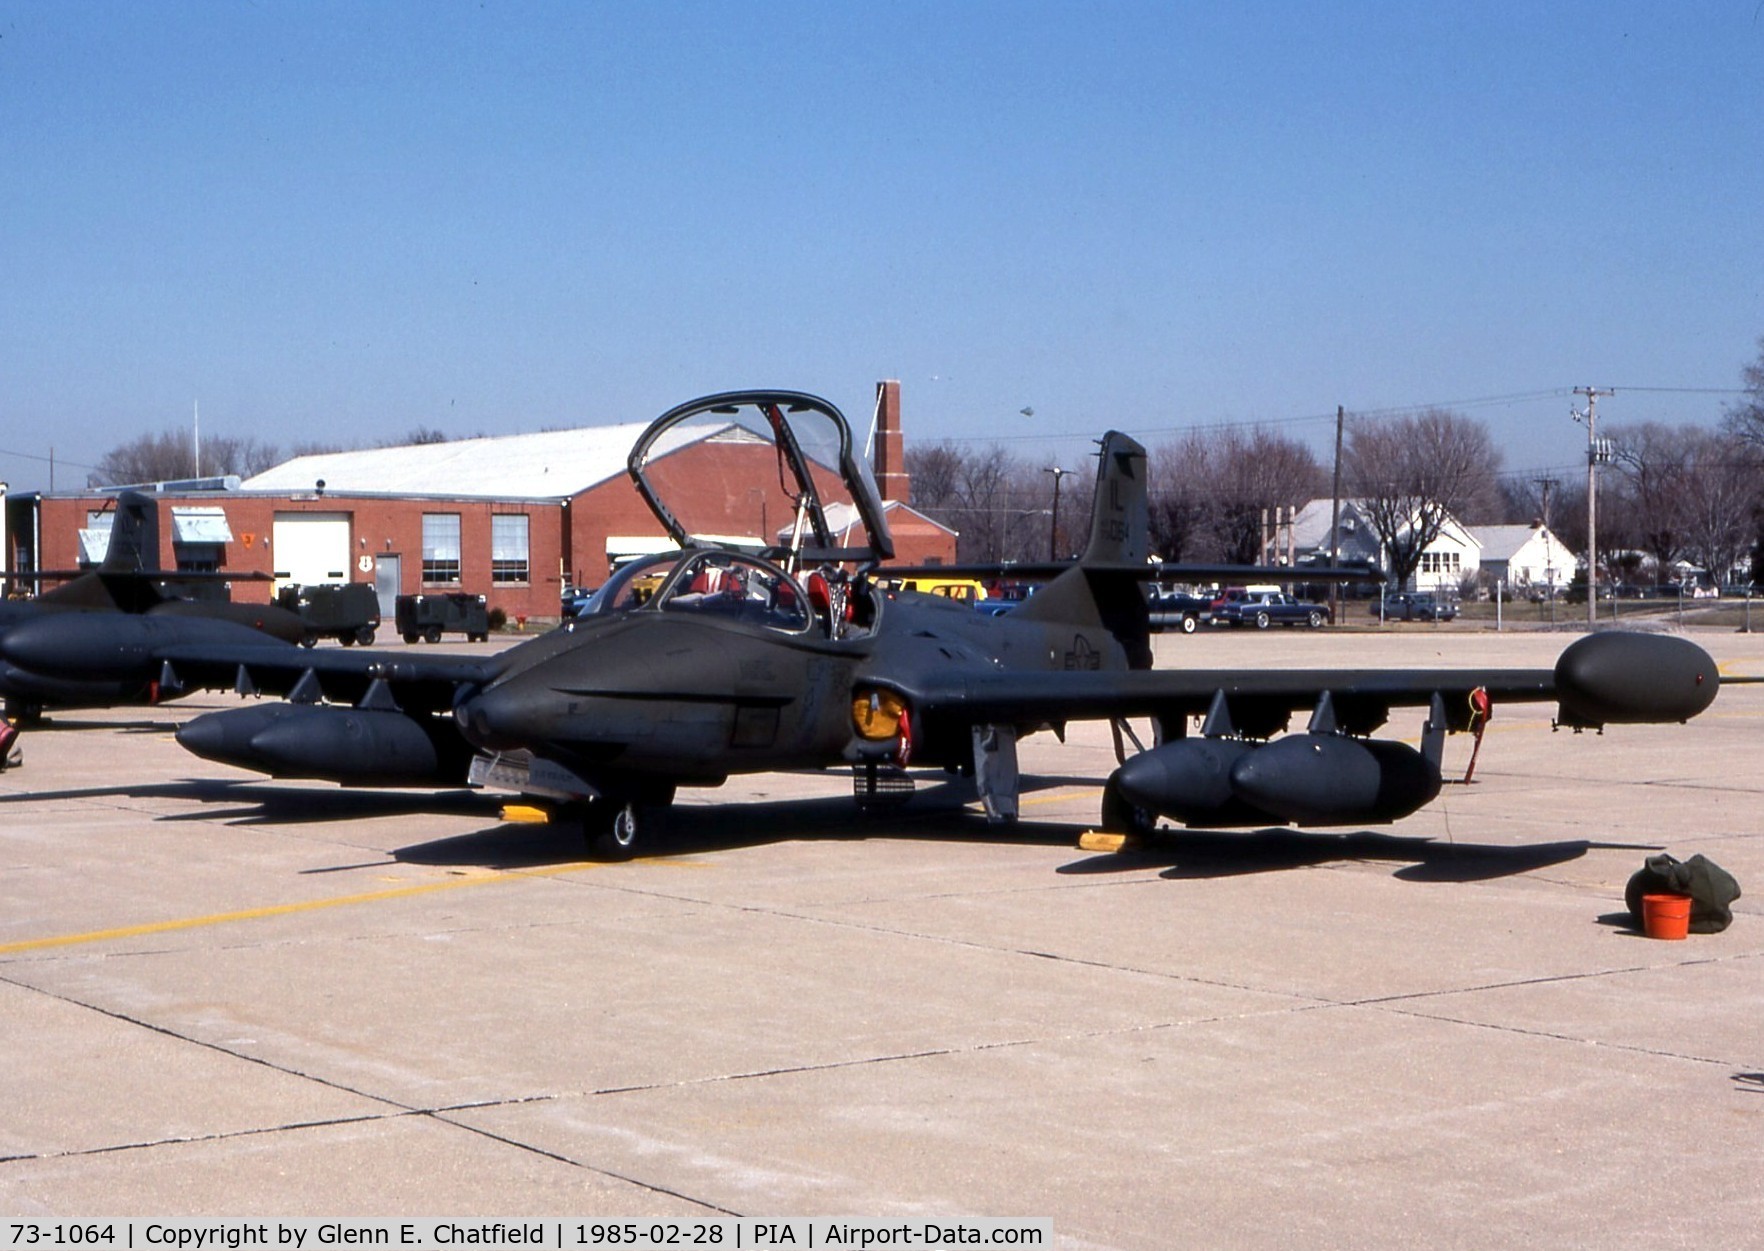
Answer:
(1104, 589)
(125, 578)
(134, 536)
(1120, 526)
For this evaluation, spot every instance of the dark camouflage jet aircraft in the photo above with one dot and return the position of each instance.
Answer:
(711, 661)
(124, 602)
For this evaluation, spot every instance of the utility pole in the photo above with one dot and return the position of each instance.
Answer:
(1545, 485)
(1597, 453)
(1335, 521)
(1053, 529)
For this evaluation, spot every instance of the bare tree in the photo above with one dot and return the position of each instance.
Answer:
(1647, 506)
(998, 505)
(1746, 418)
(935, 469)
(1257, 473)
(1182, 499)
(1524, 501)
(1721, 501)
(1414, 474)
(417, 436)
(1212, 489)
(171, 454)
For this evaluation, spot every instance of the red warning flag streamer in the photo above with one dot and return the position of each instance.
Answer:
(1481, 709)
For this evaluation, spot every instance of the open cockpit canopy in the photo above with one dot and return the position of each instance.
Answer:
(772, 472)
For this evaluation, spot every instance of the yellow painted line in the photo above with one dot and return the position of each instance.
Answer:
(1067, 797)
(277, 910)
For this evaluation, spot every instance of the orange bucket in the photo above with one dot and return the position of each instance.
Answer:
(1666, 916)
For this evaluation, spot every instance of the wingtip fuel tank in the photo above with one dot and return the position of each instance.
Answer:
(1620, 678)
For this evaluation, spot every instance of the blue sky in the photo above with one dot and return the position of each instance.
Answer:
(341, 221)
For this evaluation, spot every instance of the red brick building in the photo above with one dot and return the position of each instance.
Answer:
(515, 518)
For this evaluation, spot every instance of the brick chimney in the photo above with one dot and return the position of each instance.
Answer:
(890, 455)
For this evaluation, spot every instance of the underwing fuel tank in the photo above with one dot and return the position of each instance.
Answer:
(352, 745)
(1302, 779)
(1329, 779)
(1620, 678)
(1190, 780)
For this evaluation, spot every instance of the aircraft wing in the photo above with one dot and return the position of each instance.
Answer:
(188, 653)
(415, 682)
(1602, 678)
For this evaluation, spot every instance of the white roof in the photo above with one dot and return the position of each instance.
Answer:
(1310, 528)
(553, 464)
(1503, 542)
(842, 518)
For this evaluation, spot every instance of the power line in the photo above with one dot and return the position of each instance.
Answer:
(1384, 413)
(1689, 390)
(47, 460)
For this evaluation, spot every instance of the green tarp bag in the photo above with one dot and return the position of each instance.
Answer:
(1712, 889)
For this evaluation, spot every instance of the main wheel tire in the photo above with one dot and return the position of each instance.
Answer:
(1261, 621)
(309, 639)
(347, 639)
(1190, 623)
(1314, 620)
(412, 637)
(432, 634)
(365, 635)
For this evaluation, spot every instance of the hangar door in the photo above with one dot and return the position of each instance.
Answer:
(310, 549)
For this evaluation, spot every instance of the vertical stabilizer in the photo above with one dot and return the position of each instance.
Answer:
(124, 579)
(1120, 525)
(134, 535)
(1104, 589)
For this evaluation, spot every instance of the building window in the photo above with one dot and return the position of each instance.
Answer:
(200, 557)
(508, 549)
(440, 547)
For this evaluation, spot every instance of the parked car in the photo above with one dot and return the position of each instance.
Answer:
(1262, 609)
(1232, 594)
(576, 601)
(1172, 610)
(1416, 606)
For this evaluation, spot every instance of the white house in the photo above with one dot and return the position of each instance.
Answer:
(1454, 555)
(1525, 557)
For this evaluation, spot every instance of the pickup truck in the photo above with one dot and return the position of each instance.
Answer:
(1172, 610)
(1262, 609)
(1415, 606)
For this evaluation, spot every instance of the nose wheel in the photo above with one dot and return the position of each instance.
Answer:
(618, 827)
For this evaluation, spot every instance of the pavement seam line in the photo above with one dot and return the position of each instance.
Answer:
(397, 1110)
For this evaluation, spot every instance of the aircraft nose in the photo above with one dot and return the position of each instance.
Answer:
(495, 720)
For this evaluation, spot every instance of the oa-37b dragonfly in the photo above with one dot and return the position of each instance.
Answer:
(712, 661)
